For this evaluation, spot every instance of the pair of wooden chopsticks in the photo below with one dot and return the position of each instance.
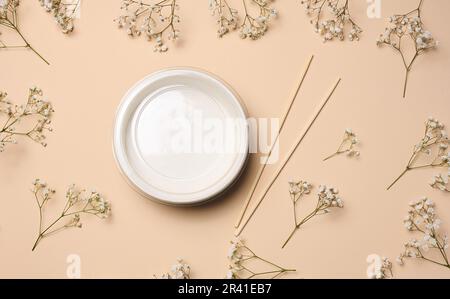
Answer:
(289, 156)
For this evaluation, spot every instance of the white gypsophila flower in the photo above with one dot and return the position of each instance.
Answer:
(180, 270)
(241, 259)
(299, 188)
(252, 25)
(63, 11)
(348, 145)
(340, 26)
(441, 182)
(408, 26)
(433, 147)
(384, 270)
(423, 220)
(156, 22)
(78, 203)
(328, 199)
(36, 110)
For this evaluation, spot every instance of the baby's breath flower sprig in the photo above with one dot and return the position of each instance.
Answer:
(328, 199)
(154, 20)
(64, 12)
(410, 26)
(382, 267)
(434, 144)
(441, 182)
(180, 270)
(36, 110)
(253, 26)
(240, 256)
(335, 27)
(79, 202)
(9, 20)
(385, 270)
(297, 190)
(423, 219)
(347, 146)
(227, 17)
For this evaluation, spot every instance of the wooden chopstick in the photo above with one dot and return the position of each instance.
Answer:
(263, 167)
(291, 153)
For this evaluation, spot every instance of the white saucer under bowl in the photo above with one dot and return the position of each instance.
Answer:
(181, 136)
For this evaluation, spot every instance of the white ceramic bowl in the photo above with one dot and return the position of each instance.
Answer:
(181, 136)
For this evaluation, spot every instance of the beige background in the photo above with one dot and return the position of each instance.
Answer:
(92, 69)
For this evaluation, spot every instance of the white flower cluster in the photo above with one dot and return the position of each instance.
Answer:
(298, 188)
(227, 17)
(7, 5)
(253, 26)
(405, 25)
(36, 110)
(92, 202)
(235, 258)
(155, 21)
(433, 147)
(347, 146)
(180, 270)
(423, 219)
(441, 182)
(64, 12)
(434, 130)
(256, 27)
(41, 187)
(386, 269)
(7, 8)
(436, 133)
(240, 258)
(78, 202)
(334, 28)
(383, 270)
(329, 198)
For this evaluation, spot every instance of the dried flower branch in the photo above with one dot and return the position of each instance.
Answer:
(155, 21)
(180, 270)
(386, 269)
(347, 146)
(252, 26)
(64, 12)
(79, 203)
(435, 143)
(441, 182)
(36, 110)
(336, 26)
(240, 256)
(9, 20)
(327, 199)
(380, 267)
(227, 17)
(404, 26)
(423, 219)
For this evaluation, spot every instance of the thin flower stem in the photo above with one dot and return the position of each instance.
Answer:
(278, 272)
(334, 155)
(398, 179)
(266, 162)
(42, 232)
(408, 70)
(297, 227)
(330, 157)
(433, 261)
(27, 44)
(289, 156)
